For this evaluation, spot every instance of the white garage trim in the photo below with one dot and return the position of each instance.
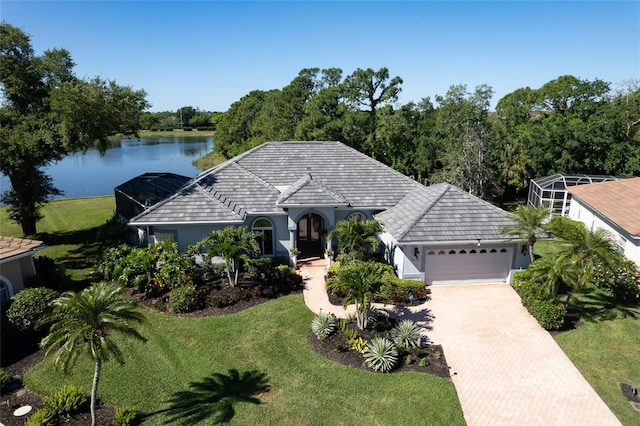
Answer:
(472, 264)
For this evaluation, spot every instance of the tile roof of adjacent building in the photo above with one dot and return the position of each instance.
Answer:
(11, 247)
(619, 201)
(269, 176)
(443, 212)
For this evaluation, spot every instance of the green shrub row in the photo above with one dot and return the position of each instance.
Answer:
(549, 312)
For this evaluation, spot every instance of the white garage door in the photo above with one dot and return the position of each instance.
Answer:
(470, 264)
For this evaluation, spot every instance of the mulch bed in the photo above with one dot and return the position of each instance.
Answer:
(334, 348)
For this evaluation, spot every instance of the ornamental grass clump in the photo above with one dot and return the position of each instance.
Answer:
(406, 334)
(323, 325)
(381, 355)
(66, 400)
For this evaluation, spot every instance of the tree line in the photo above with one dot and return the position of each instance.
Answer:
(569, 125)
(185, 118)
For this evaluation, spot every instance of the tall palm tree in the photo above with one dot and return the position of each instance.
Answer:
(356, 236)
(528, 223)
(86, 321)
(231, 244)
(359, 280)
(583, 246)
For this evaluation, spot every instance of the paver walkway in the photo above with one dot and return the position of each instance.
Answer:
(506, 369)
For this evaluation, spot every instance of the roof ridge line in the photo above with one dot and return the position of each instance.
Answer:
(330, 190)
(249, 172)
(427, 208)
(219, 200)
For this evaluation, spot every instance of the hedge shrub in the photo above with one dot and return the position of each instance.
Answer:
(549, 312)
(29, 306)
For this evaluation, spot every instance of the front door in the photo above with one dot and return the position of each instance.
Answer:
(310, 230)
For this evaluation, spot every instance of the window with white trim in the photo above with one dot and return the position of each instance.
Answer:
(264, 230)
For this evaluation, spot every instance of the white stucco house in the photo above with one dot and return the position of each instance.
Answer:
(16, 264)
(293, 193)
(613, 206)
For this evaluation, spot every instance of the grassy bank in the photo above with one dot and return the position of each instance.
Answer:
(192, 359)
(165, 133)
(69, 228)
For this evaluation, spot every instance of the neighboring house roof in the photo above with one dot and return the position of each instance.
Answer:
(619, 201)
(12, 248)
(275, 175)
(443, 212)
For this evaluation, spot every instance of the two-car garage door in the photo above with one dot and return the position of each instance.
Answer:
(469, 264)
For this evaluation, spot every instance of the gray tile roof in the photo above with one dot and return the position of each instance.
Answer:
(275, 175)
(308, 191)
(443, 212)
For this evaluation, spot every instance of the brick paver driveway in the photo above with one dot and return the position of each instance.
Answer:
(508, 370)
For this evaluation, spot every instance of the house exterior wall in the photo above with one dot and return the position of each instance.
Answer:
(17, 271)
(626, 243)
(411, 264)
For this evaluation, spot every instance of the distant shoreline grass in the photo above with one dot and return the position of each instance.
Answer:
(164, 133)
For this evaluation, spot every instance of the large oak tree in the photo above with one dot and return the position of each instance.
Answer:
(48, 113)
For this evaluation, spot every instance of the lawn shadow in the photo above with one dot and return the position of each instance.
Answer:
(594, 305)
(213, 398)
(90, 244)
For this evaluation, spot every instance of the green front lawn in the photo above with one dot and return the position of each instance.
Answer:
(607, 352)
(269, 340)
(69, 228)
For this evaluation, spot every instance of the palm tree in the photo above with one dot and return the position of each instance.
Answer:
(356, 236)
(528, 222)
(87, 321)
(231, 244)
(554, 272)
(583, 246)
(359, 280)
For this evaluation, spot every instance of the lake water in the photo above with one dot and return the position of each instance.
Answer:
(90, 174)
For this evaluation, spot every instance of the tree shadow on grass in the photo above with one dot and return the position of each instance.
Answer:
(90, 245)
(594, 305)
(213, 398)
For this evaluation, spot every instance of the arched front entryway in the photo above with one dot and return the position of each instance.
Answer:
(310, 238)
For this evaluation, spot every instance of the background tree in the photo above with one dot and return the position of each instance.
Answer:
(49, 113)
(367, 90)
(467, 137)
(87, 321)
(185, 114)
(232, 245)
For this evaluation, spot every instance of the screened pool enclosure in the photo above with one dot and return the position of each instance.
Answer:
(551, 191)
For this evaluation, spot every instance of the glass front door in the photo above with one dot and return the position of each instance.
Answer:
(310, 229)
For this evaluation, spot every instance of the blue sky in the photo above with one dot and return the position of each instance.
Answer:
(208, 54)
